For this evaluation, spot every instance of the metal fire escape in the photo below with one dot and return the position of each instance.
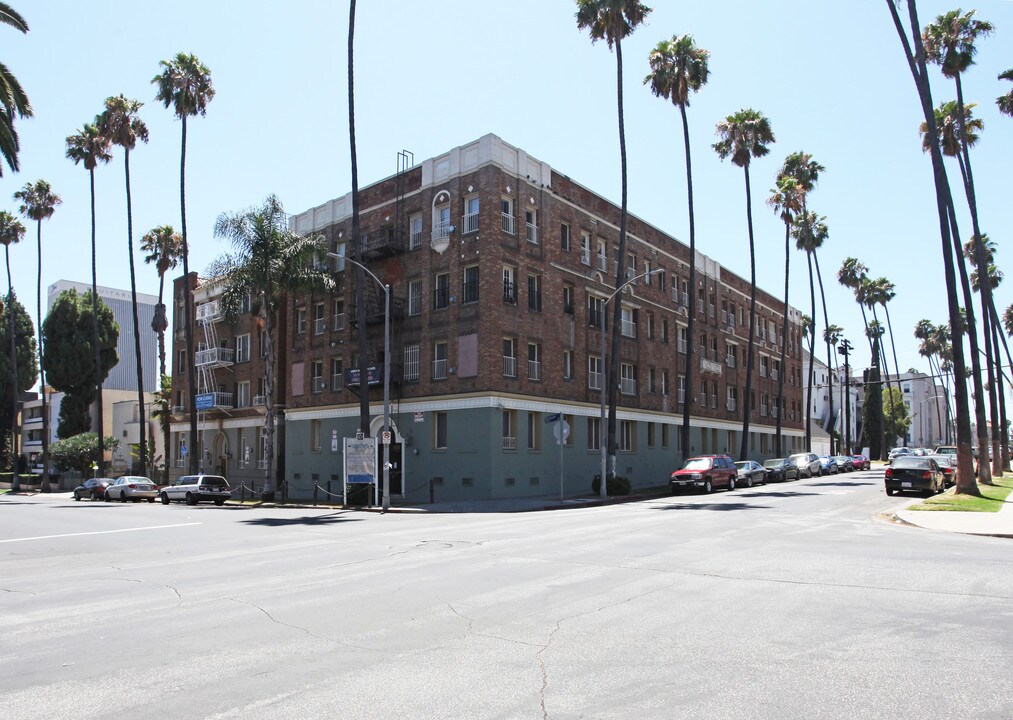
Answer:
(211, 356)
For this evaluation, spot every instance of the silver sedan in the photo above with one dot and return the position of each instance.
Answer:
(132, 487)
(750, 473)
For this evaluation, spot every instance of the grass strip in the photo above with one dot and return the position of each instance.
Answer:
(993, 499)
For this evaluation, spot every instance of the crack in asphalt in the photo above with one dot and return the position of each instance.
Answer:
(20, 592)
(179, 597)
(275, 620)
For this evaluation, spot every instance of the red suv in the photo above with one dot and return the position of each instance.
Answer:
(704, 472)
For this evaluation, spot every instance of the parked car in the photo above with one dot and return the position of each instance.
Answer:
(914, 473)
(828, 465)
(948, 464)
(946, 450)
(750, 472)
(93, 488)
(704, 472)
(897, 452)
(194, 488)
(861, 462)
(808, 464)
(133, 488)
(845, 463)
(780, 470)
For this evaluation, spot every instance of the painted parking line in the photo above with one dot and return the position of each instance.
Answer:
(99, 532)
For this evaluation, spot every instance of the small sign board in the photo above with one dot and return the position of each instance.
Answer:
(182, 451)
(420, 417)
(360, 460)
(204, 401)
(552, 418)
(385, 436)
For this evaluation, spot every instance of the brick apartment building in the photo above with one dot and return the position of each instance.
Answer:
(498, 267)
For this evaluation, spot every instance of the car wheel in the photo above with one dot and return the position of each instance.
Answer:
(190, 500)
(707, 487)
(890, 491)
(93, 495)
(123, 496)
(164, 498)
(749, 481)
(731, 484)
(108, 497)
(77, 497)
(219, 502)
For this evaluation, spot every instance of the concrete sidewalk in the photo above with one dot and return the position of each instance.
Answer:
(997, 524)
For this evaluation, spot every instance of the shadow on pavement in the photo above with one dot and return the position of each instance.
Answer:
(308, 520)
(844, 484)
(780, 493)
(711, 506)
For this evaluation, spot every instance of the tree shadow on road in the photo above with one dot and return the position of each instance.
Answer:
(307, 520)
(712, 506)
(845, 483)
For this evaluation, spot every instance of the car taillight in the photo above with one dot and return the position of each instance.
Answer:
(889, 473)
(927, 475)
(132, 487)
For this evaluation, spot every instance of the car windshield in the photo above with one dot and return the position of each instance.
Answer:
(773, 463)
(911, 462)
(697, 464)
(799, 458)
(742, 464)
(942, 460)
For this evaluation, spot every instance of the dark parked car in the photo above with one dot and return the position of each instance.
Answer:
(93, 488)
(912, 473)
(750, 472)
(705, 472)
(861, 462)
(808, 464)
(948, 464)
(845, 463)
(828, 465)
(780, 469)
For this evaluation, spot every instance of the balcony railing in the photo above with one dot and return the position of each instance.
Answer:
(709, 366)
(507, 222)
(509, 443)
(338, 322)
(585, 256)
(440, 369)
(730, 360)
(629, 329)
(319, 326)
(262, 464)
(595, 380)
(337, 381)
(319, 384)
(441, 230)
(628, 386)
(534, 370)
(731, 405)
(178, 409)
(603, 263)
(217, 356)
(180, 462)
(470, 222)
(209, 311)
(224, 400)
(531, 233)
(509, 292)
(259, 400)
(509, 366)
(441, 298)
(680, 396)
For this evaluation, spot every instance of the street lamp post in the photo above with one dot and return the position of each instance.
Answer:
(844, 350)
(386, 374)
(602, 432)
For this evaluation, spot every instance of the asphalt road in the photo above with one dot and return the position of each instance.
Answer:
(783, 601)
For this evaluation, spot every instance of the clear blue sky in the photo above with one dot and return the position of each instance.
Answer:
(432, 76)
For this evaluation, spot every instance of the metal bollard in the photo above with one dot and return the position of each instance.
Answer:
(432, 492)
(315, 486)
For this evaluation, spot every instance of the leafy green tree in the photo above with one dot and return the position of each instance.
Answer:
(786, 201)
(744, 136)
(18, 378)
(1005, 102)
(268, 262)
(89, 148)
(78, 452)
(613, 21)
(38, 203)
(895, 416)
(68, 335)
(678, 66)
(120, 125)
(185, 85)
(12, 95)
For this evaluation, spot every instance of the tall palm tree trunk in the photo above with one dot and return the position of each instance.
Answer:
(15, 482)
(270, 367)
(811, 375)
(885, 378)
(691, 324)
(936, 373)
(191, 367)
(142, 419)
(830, 367)
(784, 339)
(100, 416)
(1001, 395)
(360, 275)
(916, 63)
(613, 366)
(746, 404)
(42, 364)
(166, 439)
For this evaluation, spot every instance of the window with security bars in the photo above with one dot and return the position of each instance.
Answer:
(469, 290)
(415, 297)
(411, 362)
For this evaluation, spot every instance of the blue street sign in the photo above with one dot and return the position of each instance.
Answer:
(204, 401)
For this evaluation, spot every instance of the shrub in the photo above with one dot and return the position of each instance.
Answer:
(616, 485)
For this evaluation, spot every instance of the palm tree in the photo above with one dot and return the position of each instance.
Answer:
(746, 135)
(12, 95)
(38, 203)
(269, 261)
(1005, 102)
(831, 336)
(677, 67)
(164, 248)
(950, 43)
(928, 348)
(613, 21)
(185, 84)
(161, 412)
(89, 147)
(786, 200)
(947, 134)
(914, 55)
(120, 125)
(11, 232)
(809, 231)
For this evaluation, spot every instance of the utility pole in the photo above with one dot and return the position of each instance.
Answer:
(844, 349)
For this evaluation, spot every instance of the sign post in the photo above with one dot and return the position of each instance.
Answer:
(562, 432)
(360, 463)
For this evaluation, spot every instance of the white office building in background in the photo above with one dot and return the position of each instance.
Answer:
(123, 375)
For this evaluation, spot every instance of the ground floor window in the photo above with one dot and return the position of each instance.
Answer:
(594, 433)
(440, 431)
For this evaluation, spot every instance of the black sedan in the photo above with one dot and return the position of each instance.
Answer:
(914, 473)
(93, 488)
(780, 469)
(749, 473)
